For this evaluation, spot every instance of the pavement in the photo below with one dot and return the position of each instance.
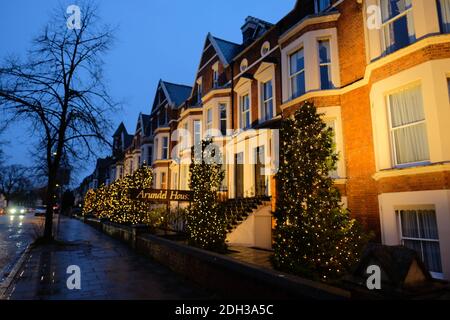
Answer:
(108, 268)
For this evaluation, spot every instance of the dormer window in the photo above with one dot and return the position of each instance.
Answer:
(244, 65)
(199, 90)
(321, 5)
(215, 78)
(265, 48)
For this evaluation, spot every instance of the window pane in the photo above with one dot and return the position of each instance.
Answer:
(298, 85)
(428, 224)
(432, 256)
(444, 15)
(411, 144)
(268, 91)
(406, 107)
(324, 51)
(323, 4)
(392, 8)
(297, 62)
(410, 229)
(325, 81)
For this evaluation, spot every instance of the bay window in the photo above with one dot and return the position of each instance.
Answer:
(197, 132)
(297, 73)
(419, 232)
(245, 111)
(209, 119)
(444, 15)
(163, 180)
(165, 148)
(223, 118)
(397, 24)
(325, 65)
(408, 126)
(267, 101)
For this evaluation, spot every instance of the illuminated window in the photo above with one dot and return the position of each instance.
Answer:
(163, 180)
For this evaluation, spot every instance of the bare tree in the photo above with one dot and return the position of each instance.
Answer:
(13, 181)
(61, 92)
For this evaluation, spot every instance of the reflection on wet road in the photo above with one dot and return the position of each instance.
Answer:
(16, 232)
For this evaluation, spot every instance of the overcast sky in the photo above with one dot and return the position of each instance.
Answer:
(155, 39)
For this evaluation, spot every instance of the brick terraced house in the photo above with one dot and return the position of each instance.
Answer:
(378, 71)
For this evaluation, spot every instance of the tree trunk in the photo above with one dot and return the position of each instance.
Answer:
(48, 229)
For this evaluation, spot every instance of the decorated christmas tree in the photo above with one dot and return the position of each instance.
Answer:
(314, 235)
(206, 224)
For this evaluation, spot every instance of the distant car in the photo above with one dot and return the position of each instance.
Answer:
(2, 211)
(16, 210)
(40, 211)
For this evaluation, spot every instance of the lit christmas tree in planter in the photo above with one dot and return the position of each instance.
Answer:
(314, 235)
(206, 223)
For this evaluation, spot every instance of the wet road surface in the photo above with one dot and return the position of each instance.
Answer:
(16, 232)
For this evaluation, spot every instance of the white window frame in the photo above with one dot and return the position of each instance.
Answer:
(390, 21)
(209, 120)
(220, 106)
(292, 76)
(327, 64)
(197, 131)
(243, 112)
(264, 116)
(392, 131)
(436, 275)
(165, 148)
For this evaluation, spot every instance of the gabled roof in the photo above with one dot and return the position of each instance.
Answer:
(175, 93)
(120, 129)
(226, 50)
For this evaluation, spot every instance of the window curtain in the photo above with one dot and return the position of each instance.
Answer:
(444, 15)
(422, 224)
(409, 130)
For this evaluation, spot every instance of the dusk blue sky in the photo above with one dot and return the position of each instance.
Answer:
(155, 39)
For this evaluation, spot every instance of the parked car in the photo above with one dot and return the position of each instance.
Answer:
(40, 211)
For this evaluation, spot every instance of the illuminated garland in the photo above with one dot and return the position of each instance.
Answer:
(314, 235)
(206, 223)
(113, 202)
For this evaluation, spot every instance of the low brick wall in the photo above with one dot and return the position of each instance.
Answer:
(227, 276)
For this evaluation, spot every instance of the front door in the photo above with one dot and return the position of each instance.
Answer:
(239, 175)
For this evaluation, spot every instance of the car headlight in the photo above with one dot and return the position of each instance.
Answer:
(22, 210)
(12, 210)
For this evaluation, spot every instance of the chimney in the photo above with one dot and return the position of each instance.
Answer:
(249, 29)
